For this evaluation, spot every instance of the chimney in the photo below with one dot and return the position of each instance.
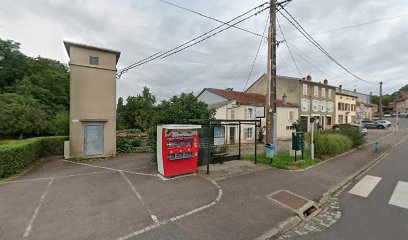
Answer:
(309, 78)
(229, 89)
(284, 100)
(340, 88)
(326, 82)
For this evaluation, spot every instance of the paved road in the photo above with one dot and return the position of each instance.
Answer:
(376, 205)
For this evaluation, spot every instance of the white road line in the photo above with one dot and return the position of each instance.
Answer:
(364, 187)
(154, 218)
(399, 197)
(30, 224)
(48, 178)
(113, 169)
(196, 210)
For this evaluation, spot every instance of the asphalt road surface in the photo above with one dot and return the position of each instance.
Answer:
(375, 206)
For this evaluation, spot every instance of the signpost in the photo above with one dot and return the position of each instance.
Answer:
(312, 139)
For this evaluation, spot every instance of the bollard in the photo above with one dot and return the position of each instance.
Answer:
(377, 146)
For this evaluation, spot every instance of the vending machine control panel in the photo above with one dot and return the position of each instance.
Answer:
(177, 149)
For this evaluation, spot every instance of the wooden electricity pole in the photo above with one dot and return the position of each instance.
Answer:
(271, 97)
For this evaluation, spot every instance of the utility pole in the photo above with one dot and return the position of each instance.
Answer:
(381, 103)
(272, 77)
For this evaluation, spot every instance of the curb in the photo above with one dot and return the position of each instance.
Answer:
(292, 221)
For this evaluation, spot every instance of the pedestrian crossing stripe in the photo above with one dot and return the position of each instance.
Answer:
(399, 197)
(364, 187)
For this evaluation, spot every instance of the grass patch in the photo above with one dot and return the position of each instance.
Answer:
(284, 161)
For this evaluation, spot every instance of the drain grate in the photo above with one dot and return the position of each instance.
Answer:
(302, 206)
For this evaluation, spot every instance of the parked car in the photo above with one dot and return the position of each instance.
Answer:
(386, 122)
(373, 124)
(402, 115)
(387, 115)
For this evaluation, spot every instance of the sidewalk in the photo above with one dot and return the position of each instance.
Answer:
(245, 212)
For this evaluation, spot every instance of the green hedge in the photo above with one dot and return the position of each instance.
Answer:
(331, 144)
(19, 154)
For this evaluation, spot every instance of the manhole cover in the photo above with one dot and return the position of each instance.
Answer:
(302, 206)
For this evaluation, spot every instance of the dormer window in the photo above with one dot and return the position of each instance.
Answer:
(93, 60)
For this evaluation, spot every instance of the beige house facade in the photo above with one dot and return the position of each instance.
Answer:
(92, 100)
(346, 108)
(315, 99)
(233, 105)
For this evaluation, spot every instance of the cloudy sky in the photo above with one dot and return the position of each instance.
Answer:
(376, 51)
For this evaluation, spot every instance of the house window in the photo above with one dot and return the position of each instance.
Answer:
(291, 115)
(315, 105)
(328, 120)
(232, 114)
(340, 119)
(316, 91)
(323, 106)
(304, 89)
(330, 107)
(305, 104)
(93, 60)
(323, 92)
(329, 93)
(250, 113)
(249, 133)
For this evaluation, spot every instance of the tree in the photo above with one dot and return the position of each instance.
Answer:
(60, 124)
(44, 80)
(179, 110)
(138, 111)
(21, 115)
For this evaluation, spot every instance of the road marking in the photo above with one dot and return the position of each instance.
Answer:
(113, 169)
(48, 178)
(196, 210)
(364, 187)
(154, 218)
(30, 224)
(399, 197)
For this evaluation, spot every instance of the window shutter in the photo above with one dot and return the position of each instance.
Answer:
(246, 113)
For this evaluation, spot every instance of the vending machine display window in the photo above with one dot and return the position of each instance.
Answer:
(177, 149)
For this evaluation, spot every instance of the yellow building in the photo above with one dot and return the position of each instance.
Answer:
(92, 100)
(345, 108)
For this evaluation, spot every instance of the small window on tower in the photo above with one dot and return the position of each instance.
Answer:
(93, 60)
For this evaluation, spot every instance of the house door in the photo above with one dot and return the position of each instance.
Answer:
(232, 135)
(303, 123)
(93, 139)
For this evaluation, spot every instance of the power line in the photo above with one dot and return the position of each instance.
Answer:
(220, 31)
(214, 19)
(316, 44)
(304, 55)
(156, 56)
(290, 51)
(257, 52)
(355, 25)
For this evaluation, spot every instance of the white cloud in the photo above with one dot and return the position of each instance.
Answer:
(376, 52)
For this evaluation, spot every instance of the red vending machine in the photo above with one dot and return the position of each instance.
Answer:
(177, 149)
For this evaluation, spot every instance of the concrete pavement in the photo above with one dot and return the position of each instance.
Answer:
(374, 209)
(122, 198)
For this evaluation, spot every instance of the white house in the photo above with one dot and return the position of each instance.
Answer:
(233, 105)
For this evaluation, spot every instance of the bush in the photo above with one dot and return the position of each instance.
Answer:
(130, 144)
(19, 154)
(331, 144)
(354, 134)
